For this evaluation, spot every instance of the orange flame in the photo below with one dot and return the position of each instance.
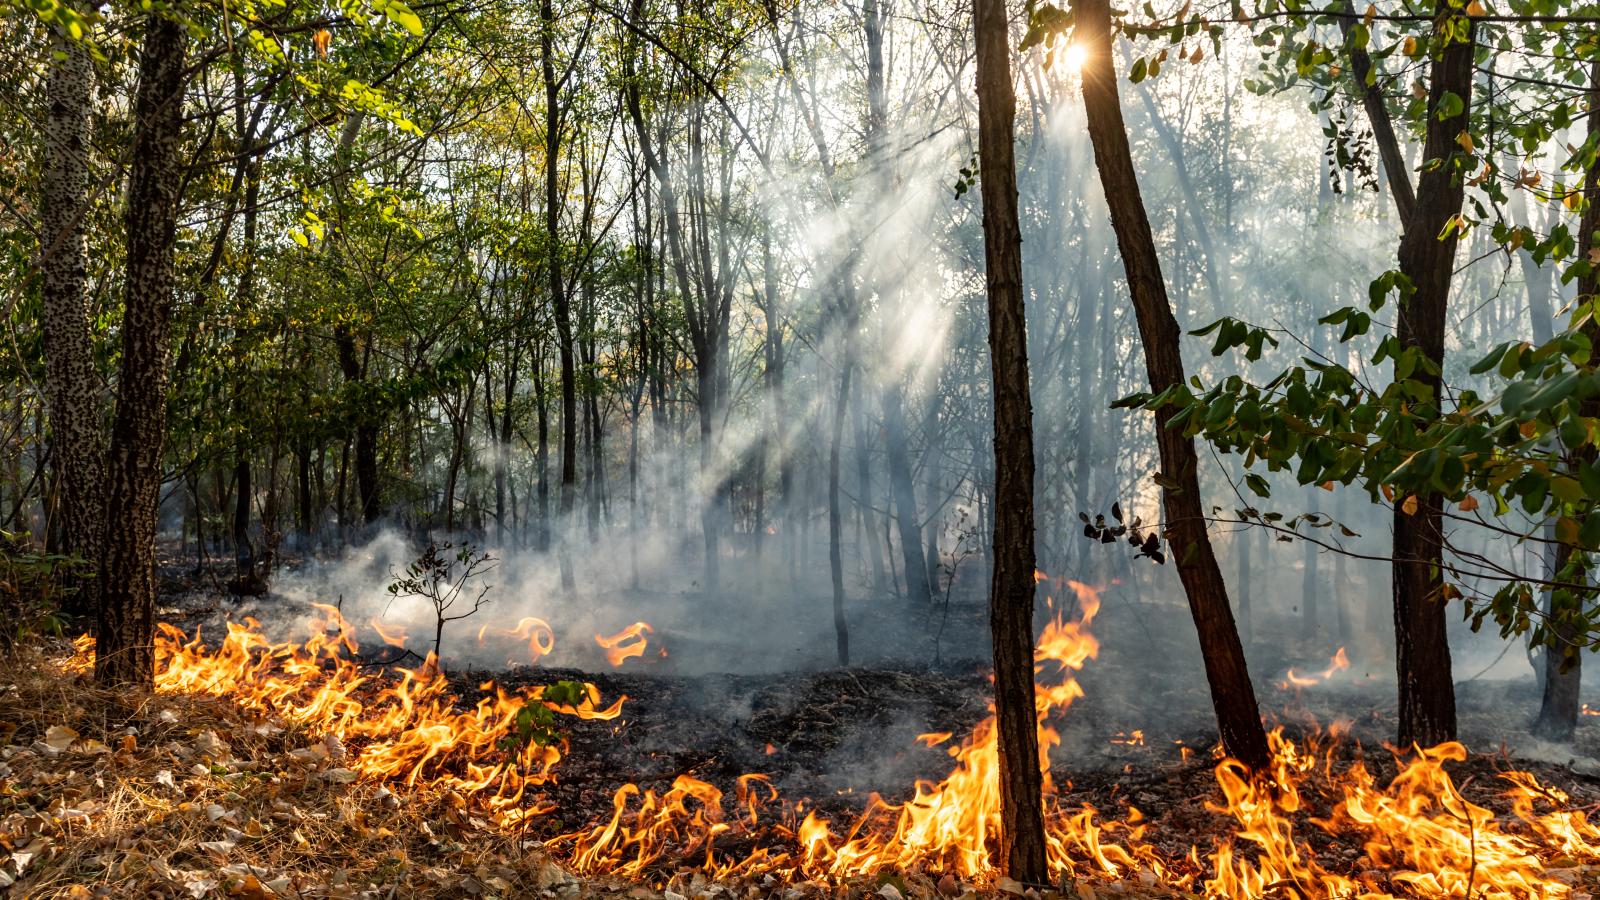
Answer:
(404, 728)
(394, 635)
(535, 634)
(1339, 663)
(1420, 836)
(625, 644)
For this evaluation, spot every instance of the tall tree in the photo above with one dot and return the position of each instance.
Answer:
(71, 383)
(560, 300)
(1232, 695)
(1427, 260)
(125, 636)
(1022, 844)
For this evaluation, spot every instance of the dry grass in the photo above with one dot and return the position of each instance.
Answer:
(160, 795)
(114, 794)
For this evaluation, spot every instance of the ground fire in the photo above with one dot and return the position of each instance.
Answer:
(1417, 834)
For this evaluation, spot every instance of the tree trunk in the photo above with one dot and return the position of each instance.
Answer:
(1022, 843)
(841, 627)
(918, 589)
(125, 636)
(559, 299)
(304, 514)
(1367, 83)
(1232, 695)
(1422, 647)
(71, 385)
(541, 458)
(1563, 658)
(244, 556)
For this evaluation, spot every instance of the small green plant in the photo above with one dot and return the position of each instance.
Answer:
(34, 586)
(441, 578)
(536, 722)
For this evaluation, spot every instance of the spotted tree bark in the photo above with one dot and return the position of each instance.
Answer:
(1022, 845)
(125, 651)
(72, 388)
(1232, 695)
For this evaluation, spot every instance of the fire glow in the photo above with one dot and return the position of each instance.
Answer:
(1420, 836)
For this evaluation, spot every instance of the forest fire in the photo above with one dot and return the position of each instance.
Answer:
(1419, 835)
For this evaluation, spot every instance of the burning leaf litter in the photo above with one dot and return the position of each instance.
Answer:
(397, 761)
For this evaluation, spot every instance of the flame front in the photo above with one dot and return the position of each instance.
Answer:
(1420, 836)
(403, 728)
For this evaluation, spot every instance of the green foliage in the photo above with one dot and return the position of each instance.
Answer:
(536, 722)
(34, 585)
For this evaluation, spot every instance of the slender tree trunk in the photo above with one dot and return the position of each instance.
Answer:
(559, 299)
(1369, 84)
(1232, 695)
(1422, 647)
(1022, 841)
(841, 627)
(244, 558)
(125, 636)
(1563, 658)
(909, 525)
(71, 386)
(541, 459)
(302, 495)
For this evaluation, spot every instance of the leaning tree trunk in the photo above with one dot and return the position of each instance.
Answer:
(1022, 844)
(1232, 695)
(1558, 707)
(125, 637)
(1422, 646)
(72, 389)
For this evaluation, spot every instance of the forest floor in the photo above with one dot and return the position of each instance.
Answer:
(179, 796)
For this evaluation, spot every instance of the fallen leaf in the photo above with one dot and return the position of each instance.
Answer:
(59, 737)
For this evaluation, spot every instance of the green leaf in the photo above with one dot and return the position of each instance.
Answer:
(401, 15)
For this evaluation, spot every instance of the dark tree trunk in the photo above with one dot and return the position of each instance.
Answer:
(1422, 647)
(1232, 695)
(244, 556)
(1369, 84)
(1022, 842)
(366, 430)
(560, 301)
(125, 636)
